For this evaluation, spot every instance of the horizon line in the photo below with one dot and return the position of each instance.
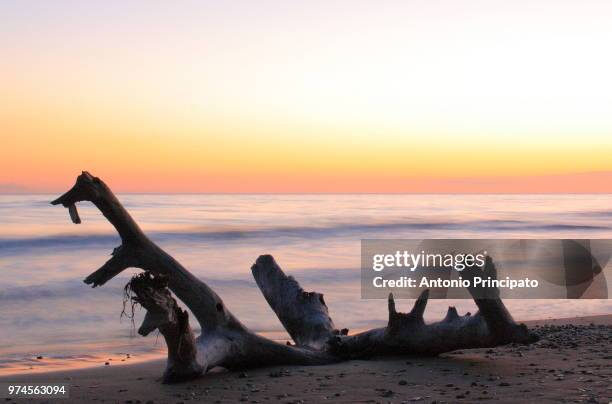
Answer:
(321, 193)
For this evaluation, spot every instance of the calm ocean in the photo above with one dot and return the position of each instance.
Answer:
(46, 310)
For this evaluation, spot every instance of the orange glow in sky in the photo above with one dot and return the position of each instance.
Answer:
(319, 96)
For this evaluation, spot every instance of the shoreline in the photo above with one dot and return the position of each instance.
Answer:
(85, 362)
(571, 362)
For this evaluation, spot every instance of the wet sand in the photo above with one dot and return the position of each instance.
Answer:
(571, 363)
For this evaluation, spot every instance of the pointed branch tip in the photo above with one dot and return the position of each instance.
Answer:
(391, 304)
(74, 214)
(451, 314)
(420, 304)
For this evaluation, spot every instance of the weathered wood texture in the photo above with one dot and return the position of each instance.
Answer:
(228, 343)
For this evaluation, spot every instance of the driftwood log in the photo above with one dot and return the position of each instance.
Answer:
(227, 343)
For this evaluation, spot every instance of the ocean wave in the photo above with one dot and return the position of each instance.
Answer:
(52, 290)
(199, 234)
(596, 213)
(75, 288)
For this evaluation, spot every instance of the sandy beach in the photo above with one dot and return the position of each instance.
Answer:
(572, 362)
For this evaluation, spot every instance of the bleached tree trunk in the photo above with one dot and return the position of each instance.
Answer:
(226, 342)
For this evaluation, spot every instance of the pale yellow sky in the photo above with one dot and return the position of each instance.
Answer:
(327, 96)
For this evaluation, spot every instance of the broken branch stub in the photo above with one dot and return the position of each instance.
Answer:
(304, 315)
(164, 314)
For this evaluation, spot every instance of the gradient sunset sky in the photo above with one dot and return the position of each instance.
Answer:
(313, 96)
